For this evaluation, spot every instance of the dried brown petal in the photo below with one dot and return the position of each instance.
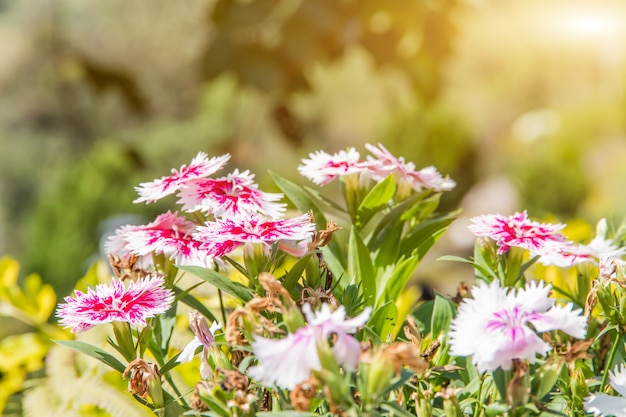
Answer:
(141, 372)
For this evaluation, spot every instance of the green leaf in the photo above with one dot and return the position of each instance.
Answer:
(384, 320)
(285, 414)
(301, 199)
(360, 266)
(545, 378)
(223, 283)
(94, 352)
(378, 197)
(443, 312)
(291, 278)
(399, 278)
(392, 221)
(425, 235)
(171, 364)
(395, 409)
(423, 316)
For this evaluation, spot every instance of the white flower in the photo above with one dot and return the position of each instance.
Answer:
(289, 361)
(203, 336)
(607, 405)
(493, 327)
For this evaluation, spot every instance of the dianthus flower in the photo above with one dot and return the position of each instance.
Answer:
(200, 167)
(386, 163)
(493, 327)
(233, 195)
(606, 405)
(224, 235)
(573, 254)
(288, 362)
(203, 336)
(518, 231)
(168, 234)
(322, 168)
(142, 299)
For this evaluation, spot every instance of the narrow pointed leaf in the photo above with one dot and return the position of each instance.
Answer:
(360, 266)
(94, 352)
(223, 283)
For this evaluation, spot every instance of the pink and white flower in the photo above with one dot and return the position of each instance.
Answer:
(288, 362)
(518, 231)
(607, 405)
(203, 336)
(226, 234)
(142, 299)
(501, 317)
(168, 234)
(200, 167)
(386, 163)
(233, 195)
(573, 254)
(322, 168)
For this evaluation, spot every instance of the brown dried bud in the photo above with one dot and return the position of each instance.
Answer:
(196, 401)
(232, 334)
(234, 380)
(141, 373)
(322, 237)
(273, 286)
(302, 394)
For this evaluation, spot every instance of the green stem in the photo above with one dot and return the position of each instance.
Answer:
(479, 404)
(605, 376)
(219, 293)
(170, 381)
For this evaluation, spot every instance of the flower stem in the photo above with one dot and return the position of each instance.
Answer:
(605, 376)
(219, 293)
(479, 404)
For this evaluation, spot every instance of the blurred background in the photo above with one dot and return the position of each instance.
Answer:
(522, 102)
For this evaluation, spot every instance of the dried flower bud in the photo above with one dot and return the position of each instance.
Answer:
(302, 394)
(141, 374)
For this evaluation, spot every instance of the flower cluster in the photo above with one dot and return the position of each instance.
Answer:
(235, 212)
(322, 168)
(331, 329)
(543, 239)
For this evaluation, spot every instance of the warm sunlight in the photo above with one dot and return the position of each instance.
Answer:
(591, 21)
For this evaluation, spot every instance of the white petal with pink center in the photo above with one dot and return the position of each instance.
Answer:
(288, 362)
(322, 168)
(201, 166)
(502, 316)
(168, 234)
(134, 304)
(517, 230)
(233, 195)
(254, 229)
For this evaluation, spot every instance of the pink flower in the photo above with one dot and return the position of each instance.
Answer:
(203, 336)
(224, 235)
(200, 167)
(493, 327)
(233, 195)
(289, 361)
(168, 234)
(322, 168)
(518, 231)
(142, 299)
(386, 163)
